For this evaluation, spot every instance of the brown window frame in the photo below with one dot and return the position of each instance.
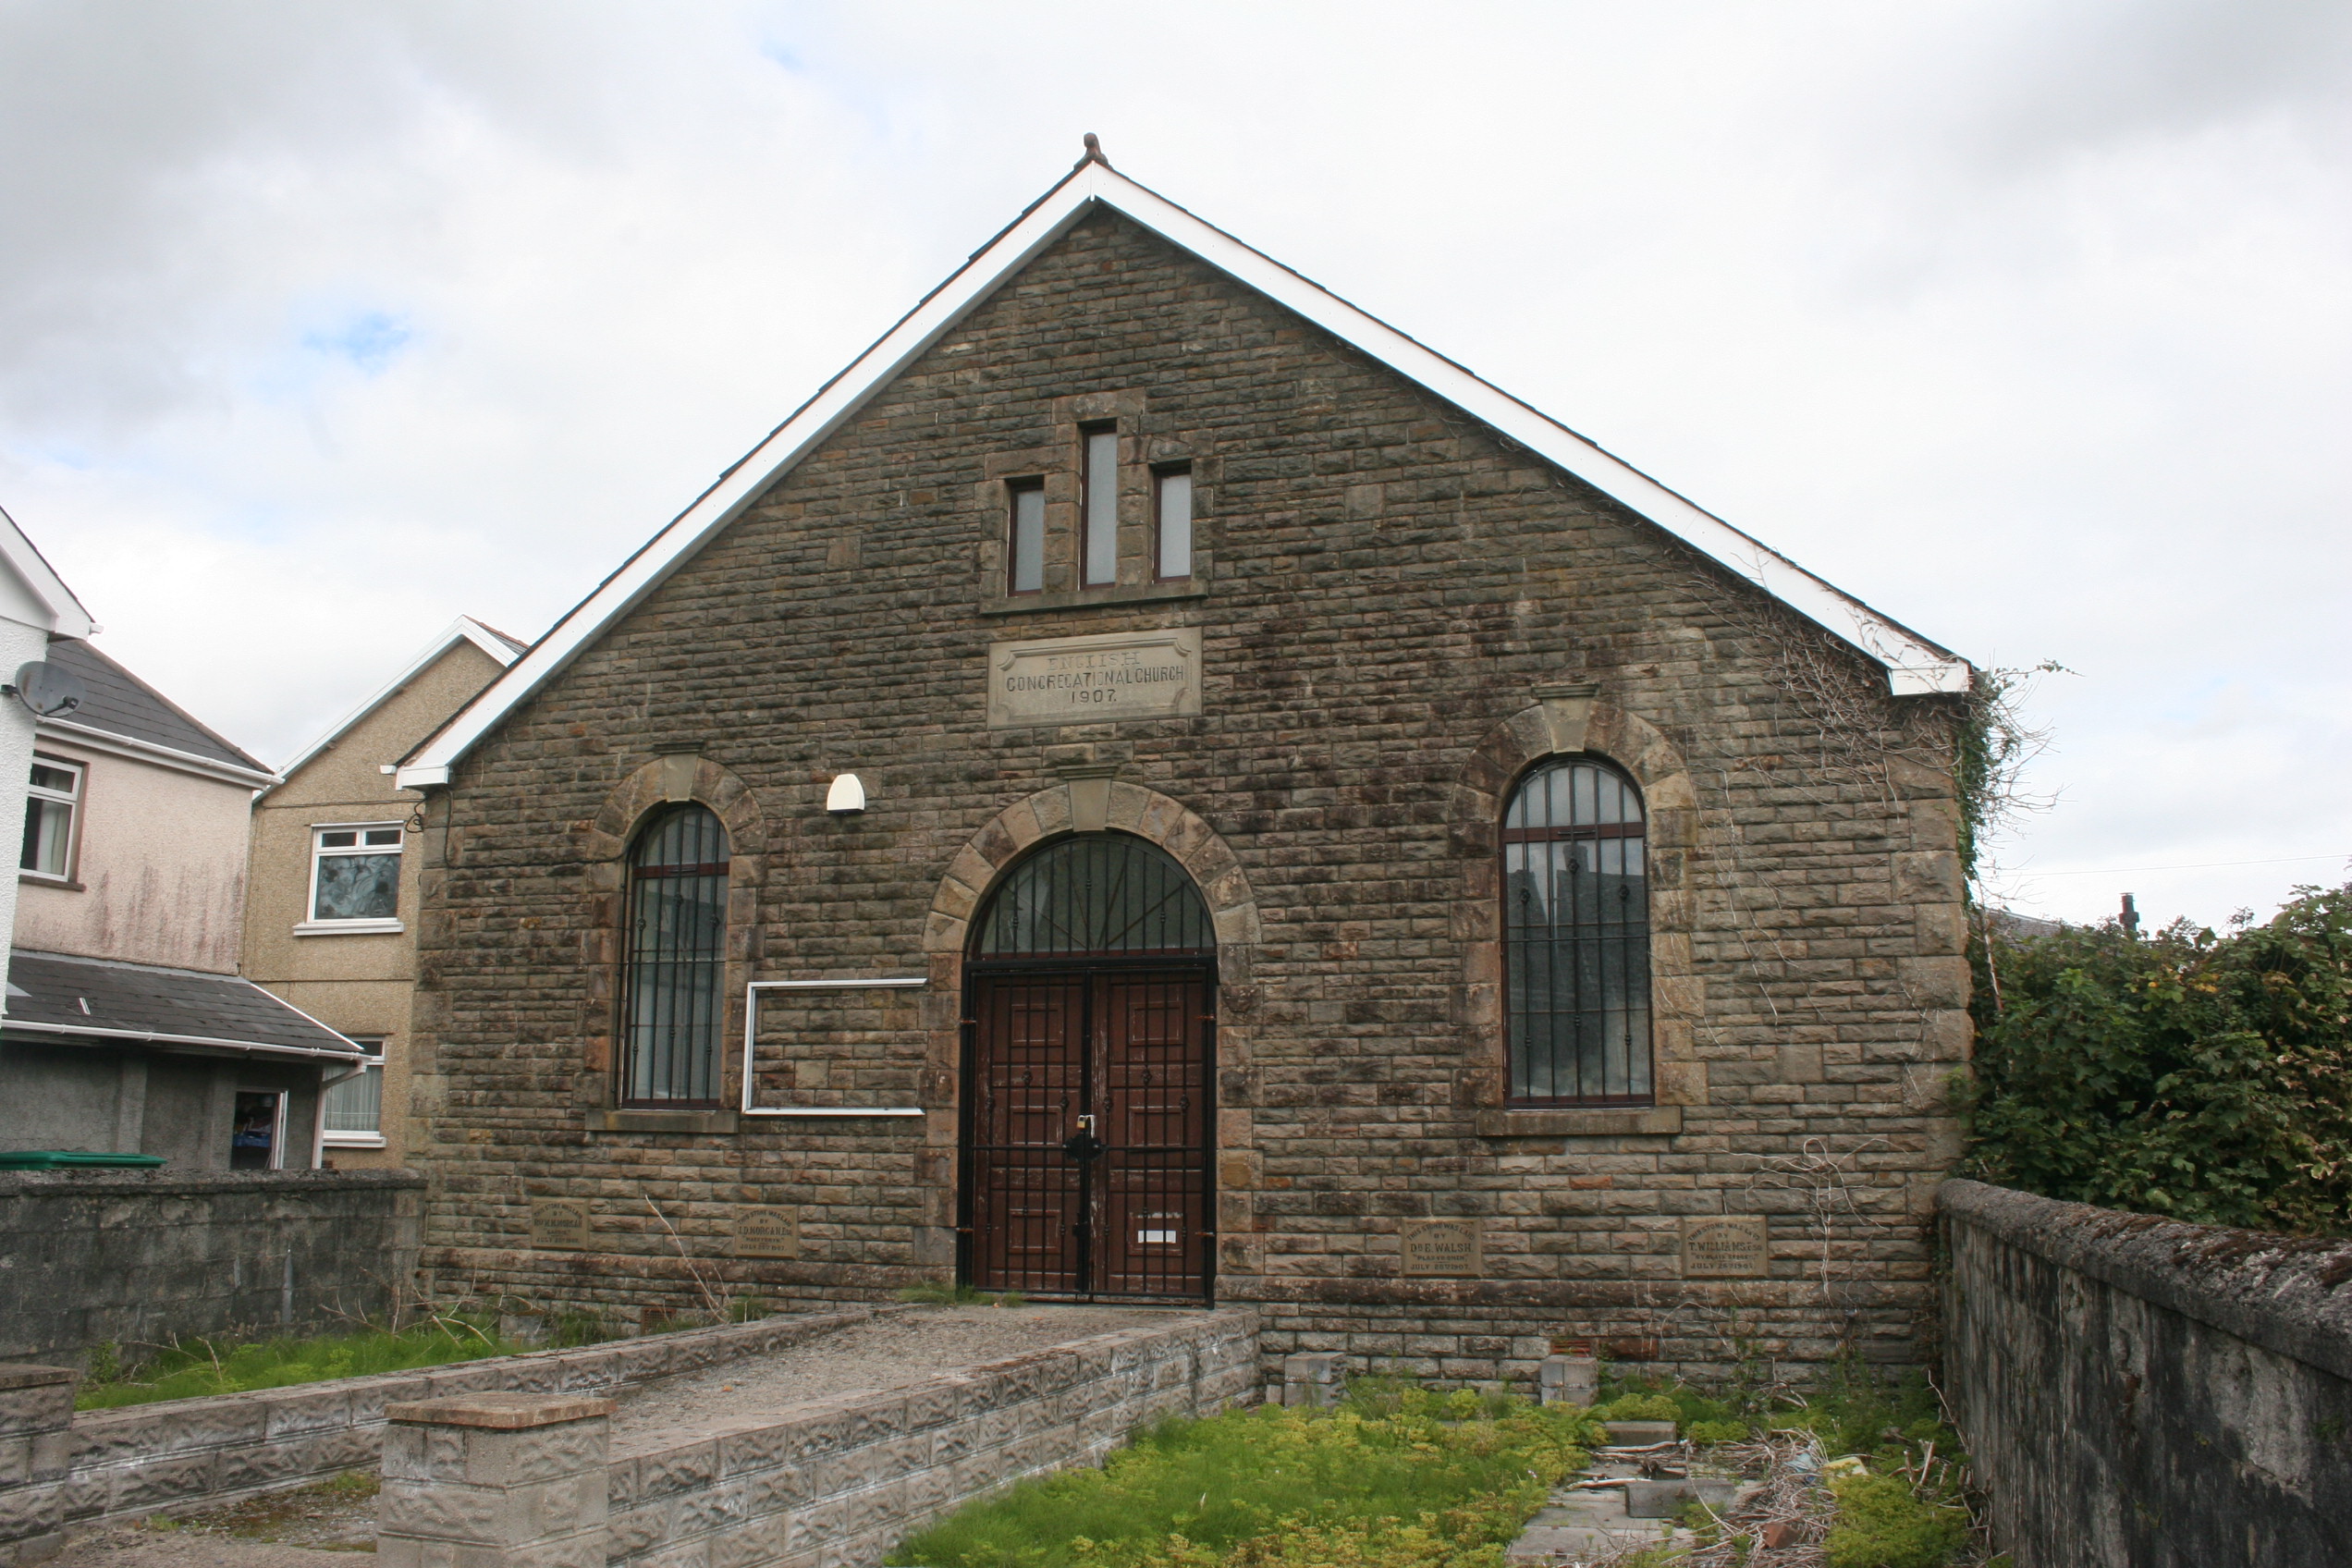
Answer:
(1162, 474)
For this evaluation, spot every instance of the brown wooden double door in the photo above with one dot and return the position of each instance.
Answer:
(1087, 1132)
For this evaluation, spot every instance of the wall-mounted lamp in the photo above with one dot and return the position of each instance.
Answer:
(847, 797)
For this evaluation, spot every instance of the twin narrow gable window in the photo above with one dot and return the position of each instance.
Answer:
(355, 871)
(50, 803)
(672, 1007)
(1575, 929)
(1096, 549)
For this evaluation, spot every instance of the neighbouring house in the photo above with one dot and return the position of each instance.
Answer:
(128, 1030)
(35, 604)
(1154, 785)
(332, 893)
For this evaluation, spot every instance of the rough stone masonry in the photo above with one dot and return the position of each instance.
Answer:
(1397, 613)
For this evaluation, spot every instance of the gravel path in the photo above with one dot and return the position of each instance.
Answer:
(888, 1352)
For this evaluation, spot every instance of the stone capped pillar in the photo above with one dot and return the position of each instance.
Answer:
(36, 1416)
(493, 1481)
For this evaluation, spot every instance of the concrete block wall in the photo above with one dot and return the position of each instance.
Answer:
(141, 1256)
(840, 1481)
(138, 1460)
(2138, 1393)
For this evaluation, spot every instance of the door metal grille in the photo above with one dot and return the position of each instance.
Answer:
(1089, 1061)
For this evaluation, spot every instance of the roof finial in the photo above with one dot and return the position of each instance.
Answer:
(1094, 153)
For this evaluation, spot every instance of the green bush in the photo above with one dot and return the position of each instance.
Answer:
(1717, 1432)
(2203, 1078)
(1881, 1525)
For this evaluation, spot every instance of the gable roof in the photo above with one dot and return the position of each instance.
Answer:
(66, 616)
(123, 709)
(1913, 665)
(465, 629)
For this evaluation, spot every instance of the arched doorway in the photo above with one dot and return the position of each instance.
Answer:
(1089, 1066)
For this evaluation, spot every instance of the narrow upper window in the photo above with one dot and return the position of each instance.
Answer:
(49, 805)
(354, 1116)
(1173, 508)
(1101, 549)
(1025, 552)
(676, 960)
(355, 871)
(1575, 927)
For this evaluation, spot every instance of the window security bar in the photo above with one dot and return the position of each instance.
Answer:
(750, 1033)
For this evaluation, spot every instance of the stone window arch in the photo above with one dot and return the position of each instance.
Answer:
(674, 978)
(1576, 937)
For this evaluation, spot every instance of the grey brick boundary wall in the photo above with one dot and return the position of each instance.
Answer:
(114, 1463)
(2142, 1393)
(136, 1256)
(837, 1482)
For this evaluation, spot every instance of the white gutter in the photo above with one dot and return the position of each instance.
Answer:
(156, 1037)
(150, 751)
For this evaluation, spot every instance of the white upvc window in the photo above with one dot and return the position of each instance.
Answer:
(52, 802)
(355, 878)
(354, 1117)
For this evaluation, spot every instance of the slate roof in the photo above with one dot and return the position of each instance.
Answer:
(120, 703)
(53, 994)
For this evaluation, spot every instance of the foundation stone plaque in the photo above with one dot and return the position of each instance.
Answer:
(560, 1224)
(1725, 1247)
(767, 1231)
(1443, 1249)
(1089, 679)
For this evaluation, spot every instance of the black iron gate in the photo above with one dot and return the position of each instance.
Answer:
(1087, 1129)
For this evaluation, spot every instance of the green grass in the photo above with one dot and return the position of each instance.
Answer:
(1396, 1477)
(192, 1368)
(941, 1293)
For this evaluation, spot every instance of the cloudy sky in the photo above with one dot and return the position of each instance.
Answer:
(2026, 320)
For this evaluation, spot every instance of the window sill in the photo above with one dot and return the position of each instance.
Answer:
(353, 1141)
(349, 928)
(1601, 1122)
(662, 1121)
(44, 879)
(1093, 598)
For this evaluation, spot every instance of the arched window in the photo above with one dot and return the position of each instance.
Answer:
(1576, 932)
(676, 960)
(1100, 895)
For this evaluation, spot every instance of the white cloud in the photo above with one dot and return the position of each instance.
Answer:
(2025, 320)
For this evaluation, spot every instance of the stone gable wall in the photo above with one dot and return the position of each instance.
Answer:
(1403, 611)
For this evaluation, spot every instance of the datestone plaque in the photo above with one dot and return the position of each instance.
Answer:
(1725, 1247)
(768, 1232)
(1443, 1249)
(1090, 680)
(560, 1224)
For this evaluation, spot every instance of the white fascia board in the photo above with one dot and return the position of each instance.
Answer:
(66, 732)
(67, 617)
(464, 629)
(1913, 665)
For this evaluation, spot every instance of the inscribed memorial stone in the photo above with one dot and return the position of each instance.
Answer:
(1088, 680)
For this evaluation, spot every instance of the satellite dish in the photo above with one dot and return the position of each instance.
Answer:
(48, 689)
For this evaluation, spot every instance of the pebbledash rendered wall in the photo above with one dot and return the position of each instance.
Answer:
(2139, 1394)
(1399, 613)
(140, 1256)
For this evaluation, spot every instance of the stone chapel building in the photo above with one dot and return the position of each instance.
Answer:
(1155, 785)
